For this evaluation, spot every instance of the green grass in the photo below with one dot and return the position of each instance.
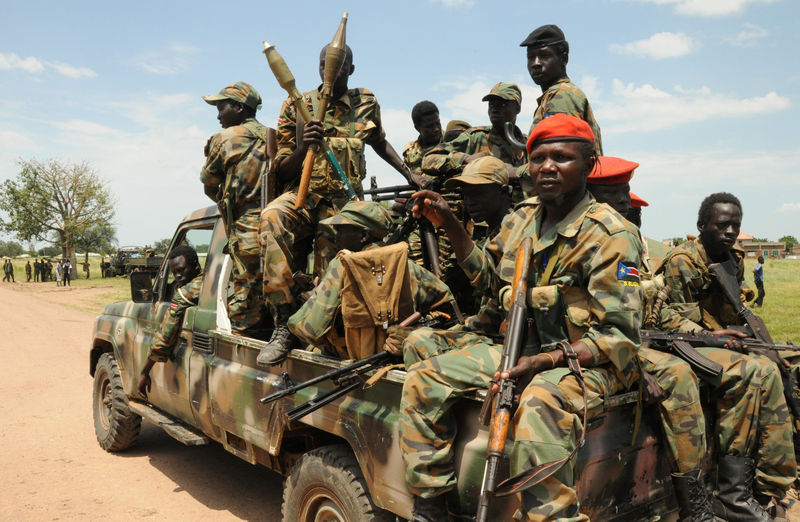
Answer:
(781, 311)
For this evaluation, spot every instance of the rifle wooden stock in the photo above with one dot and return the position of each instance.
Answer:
(504, 400)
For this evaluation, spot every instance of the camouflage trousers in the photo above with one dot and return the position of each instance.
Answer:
(545, 426)
(794, 360)
(682, 418)
(246, 305)
(753, 419)
(283, 234)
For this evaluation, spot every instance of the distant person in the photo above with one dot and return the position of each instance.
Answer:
(28, 271)
(86, 268)
(758, 278)
(59, 272)
(37, 271)
(185, 268)
(8, 271)
(548, 54)
(67, 272)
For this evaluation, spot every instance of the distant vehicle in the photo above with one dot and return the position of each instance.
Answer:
(133, 259)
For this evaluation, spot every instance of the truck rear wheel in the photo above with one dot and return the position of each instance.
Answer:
(115, 425)
(326, 485)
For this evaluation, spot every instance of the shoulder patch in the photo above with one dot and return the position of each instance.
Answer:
(629, 275)
(611, 221)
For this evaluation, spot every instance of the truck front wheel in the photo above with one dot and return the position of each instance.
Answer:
(115, 425)
(326, 485)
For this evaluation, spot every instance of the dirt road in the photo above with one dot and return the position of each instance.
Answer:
(51, 467)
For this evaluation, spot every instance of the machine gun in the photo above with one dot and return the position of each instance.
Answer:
(504, 399)
(345, 379)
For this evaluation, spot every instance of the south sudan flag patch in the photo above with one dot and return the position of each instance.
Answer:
(173, 309)
(629, 275)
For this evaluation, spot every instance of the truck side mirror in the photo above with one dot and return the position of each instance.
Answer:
(141, 287)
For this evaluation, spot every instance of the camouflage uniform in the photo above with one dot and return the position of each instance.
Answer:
(236, 158)
(413, 154)
(351, 122)
(752, 415)
(315, 322)
(564, 97)
(602, 310)
(171, 324)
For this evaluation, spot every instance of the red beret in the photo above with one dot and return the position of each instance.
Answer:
(610, 170)
(560, 127)
(637, 202)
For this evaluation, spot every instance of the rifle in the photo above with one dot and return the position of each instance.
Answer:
(724, 274)
(504, 399)
(345, 380)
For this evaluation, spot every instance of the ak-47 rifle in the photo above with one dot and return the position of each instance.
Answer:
(430, 244)
(724, 274)
(504, 399)
(345, 379)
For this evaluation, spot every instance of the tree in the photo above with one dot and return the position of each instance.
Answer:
(99, 237)
(10, 249)
(56, 202)
(789, 240)
(160, 247)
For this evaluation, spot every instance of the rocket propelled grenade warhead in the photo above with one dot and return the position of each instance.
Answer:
(285, 78)
(335, 55)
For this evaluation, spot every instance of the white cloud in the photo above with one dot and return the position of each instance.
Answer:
(153, 109)
(789, 208)
(71, 71)
(748, 36)
(9, 61)
(454, 3)
(175, 59)
(646, 108)
(659, 46)
(708, 7)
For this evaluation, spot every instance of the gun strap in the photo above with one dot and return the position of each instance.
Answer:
(535, 475)
(551, 266)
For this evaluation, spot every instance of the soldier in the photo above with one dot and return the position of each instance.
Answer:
(548, 54)
(6, 271)
(360, 226)
(579, 245)
(425, 116)
(352, 120)
(185, 268)
(454, 129)
(236, 159)
(28, 271)
(86, 268)
(751, 387)
(37, 270)
(448, 159)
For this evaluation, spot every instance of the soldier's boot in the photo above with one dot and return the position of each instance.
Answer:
(281, 342)
(735, 501)
(693, 503)
(430, 509)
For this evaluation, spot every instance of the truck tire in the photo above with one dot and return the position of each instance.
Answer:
(115, 425)
(326, 485)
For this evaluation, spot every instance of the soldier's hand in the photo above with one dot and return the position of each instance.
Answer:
(733, 342)
(433, 207)
(144, 384)
(473, 157)
(420, 181)
(399, 205)
(526, 368)
(652, 392)
(312, 133)
(396, 335)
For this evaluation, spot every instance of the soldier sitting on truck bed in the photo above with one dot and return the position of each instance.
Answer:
(366, 290)
(588, 311)
(185, 268)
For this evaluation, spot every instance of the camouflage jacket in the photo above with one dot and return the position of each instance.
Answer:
(595, 274)
(315, 322)
(693, 293)
(413, 154)
(567, 98)
(171, 324)
(350, 122)
(237, 152)
(447, 159)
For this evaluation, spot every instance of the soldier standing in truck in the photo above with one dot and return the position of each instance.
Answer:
(185, 268)
(236, 160)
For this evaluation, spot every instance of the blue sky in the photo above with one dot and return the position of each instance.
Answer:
(701, 93)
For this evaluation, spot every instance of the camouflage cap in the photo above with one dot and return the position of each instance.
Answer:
(505, 91)
(457, 125)
(241, 92)
(369, 215)
(483, 171)
(544, 36)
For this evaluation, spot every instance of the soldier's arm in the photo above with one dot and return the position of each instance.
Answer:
(387, 153)
(213, 173)
(447, 158)
(312, 322)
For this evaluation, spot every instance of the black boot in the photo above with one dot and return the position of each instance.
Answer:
(281, 342)
(430, 509)
(692, 497)
(735, 501)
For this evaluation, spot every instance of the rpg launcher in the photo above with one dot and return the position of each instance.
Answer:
(504, 399)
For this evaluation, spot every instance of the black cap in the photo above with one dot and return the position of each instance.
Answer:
(544, 36)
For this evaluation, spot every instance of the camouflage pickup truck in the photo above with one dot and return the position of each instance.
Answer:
(342, 461)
